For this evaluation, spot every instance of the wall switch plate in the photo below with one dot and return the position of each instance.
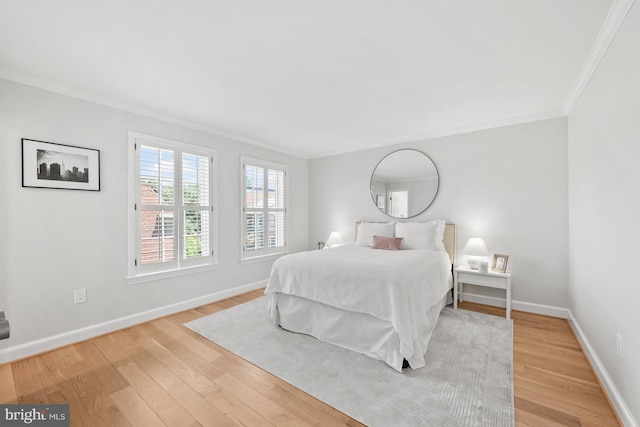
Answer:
(80, 296)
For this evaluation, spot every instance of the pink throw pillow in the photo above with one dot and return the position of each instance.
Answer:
(390, 243)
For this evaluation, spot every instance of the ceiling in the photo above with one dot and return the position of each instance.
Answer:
(309, 78)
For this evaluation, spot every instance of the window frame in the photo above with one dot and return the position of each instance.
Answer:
(261, 254)
(141, 273)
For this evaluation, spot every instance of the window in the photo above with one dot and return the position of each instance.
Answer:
(264, 213)
(172, 216)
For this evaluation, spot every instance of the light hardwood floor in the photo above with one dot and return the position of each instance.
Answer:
(161, 373)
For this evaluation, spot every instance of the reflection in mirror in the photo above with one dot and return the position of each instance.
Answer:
(404, 183)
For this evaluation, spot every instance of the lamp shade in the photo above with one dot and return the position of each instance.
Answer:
(335, 239)
(475, 247)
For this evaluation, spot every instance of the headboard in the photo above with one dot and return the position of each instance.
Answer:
(449, 240)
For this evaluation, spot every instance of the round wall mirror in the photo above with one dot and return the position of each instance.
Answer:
(404, 183)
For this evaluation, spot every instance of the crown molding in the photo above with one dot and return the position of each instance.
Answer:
(452, 131)
(617, 13)
(128, 108)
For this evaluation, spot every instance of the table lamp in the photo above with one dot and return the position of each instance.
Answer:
(335, 239)
(476, 252)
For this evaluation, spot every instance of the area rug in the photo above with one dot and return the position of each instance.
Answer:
(467, 380)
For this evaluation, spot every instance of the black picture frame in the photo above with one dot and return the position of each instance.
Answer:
(59, 166)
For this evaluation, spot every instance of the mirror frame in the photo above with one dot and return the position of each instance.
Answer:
(435, 195)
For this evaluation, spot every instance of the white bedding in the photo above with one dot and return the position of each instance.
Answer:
(398, 287)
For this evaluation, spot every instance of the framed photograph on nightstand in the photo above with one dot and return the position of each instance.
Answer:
(500, 263)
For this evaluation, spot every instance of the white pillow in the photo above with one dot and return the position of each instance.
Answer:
(421, 235)
(366, 231)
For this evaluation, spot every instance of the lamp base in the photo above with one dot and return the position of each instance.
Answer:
(483, 266)
(473, 264)
(477, 263)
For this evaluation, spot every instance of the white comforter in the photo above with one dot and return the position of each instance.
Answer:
(398, 287)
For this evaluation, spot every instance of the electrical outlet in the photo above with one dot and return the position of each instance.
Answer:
(80, 296)
(619, 345)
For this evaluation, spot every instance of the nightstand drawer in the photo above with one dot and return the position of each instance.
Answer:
(484, 280)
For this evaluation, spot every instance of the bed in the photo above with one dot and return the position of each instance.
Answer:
(381, 303)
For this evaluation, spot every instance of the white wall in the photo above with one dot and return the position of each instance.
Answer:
(506, 185)
(55, 241)
(604, 210)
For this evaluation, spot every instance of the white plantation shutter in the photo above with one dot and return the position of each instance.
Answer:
(196, 208)
(173, 211)
(275, 191)
(264, 208)
(156, 205)
(254, 203)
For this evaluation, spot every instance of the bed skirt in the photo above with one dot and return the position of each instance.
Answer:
(358, 332)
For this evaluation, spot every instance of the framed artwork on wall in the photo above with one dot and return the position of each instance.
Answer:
(51, 165)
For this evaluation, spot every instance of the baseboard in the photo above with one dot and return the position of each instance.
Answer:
(546, 310)
(607, 383)
(605, 380)
(31, 348)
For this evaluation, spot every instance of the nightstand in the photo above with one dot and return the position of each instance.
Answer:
(490, 279)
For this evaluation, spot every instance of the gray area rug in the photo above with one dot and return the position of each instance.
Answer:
(468, 379)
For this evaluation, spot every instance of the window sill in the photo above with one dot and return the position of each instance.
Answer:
(142, 278)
